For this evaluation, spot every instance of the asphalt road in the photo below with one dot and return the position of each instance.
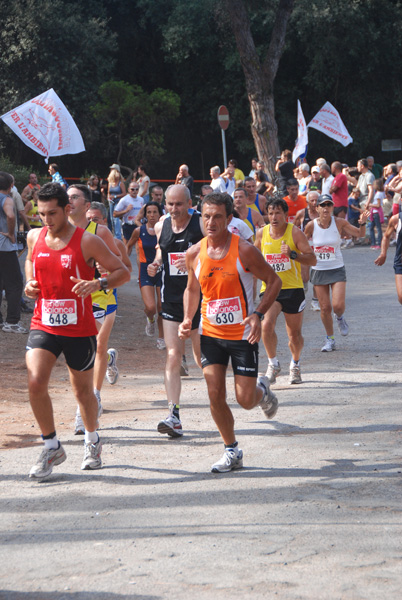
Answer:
(314, 514)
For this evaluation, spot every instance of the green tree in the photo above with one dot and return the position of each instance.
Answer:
(135, 119)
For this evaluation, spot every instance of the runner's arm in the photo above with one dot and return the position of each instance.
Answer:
(299, 217)
(306, 255)
(133, 240)
(191, 298)
(94, 248)
(345, 228)
(258, 239)
(386, 238)
(139, 217)
(31, 286)
(253, 261)
(105, 234)
(8, 208)
(153, 267)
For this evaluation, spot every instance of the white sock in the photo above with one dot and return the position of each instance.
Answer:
(294, 363)
(340, 318)
(91, 437)
(273, 361)
(52, 444)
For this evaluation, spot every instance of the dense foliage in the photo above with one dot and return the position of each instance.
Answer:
(344, 51)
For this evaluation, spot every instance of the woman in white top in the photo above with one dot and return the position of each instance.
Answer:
(325, 234)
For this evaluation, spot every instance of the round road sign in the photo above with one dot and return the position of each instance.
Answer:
(223, 117)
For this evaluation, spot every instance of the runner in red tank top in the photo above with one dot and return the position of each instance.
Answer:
(223, 265)
(59, 272)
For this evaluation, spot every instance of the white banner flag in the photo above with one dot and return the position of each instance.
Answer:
(302, 136)
(45, 125)
(328, 121)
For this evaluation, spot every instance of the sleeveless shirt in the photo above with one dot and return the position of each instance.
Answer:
(173, 246)
(288, 270)
(57, 309)
(327, 247)
(227, 293)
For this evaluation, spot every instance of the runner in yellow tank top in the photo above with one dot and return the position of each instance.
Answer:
(222, 266)
(285, 248)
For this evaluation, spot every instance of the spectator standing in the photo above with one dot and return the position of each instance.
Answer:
(143, 181)
(55, 175)
(375, 168)
(10, 272)
(315, 183)
(116, 191)
(184, 178)
(326, 179)
(339, 191)
(238, 173)
(217, 182)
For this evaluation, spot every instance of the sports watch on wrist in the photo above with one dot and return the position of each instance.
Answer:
(293, 254)
(103, 283)
(260, 315)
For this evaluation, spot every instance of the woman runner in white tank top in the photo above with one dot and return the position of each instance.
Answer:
(325, 234)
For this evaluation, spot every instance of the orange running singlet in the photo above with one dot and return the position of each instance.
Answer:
(227, 293)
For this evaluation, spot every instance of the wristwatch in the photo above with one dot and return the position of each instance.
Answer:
(293, 255)
(260, 315)
(103, 283)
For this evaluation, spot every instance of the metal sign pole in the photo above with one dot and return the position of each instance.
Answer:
(225, 159)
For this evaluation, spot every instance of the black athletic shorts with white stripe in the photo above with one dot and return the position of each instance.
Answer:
(79, 351)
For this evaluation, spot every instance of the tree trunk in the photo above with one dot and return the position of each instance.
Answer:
(260, 78)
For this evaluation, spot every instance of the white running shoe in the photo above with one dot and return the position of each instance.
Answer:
(112, 372)
(231, 460)
(342, 325)
(272, 372)
(92, 456)
(349, 243)
(98, 399)
(184, 367)
(14, 328)
(315, 305)
(150, 328)
(171, 426)
(269, 402)
(329, 345)
(79, 423)
(46, 461)
(160, 344)
(295, 374)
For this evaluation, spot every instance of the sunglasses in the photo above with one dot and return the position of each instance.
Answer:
(326, 204)
(133, 189)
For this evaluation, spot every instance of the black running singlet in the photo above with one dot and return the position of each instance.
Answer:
(173, 246)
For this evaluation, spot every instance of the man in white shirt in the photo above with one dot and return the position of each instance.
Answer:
(128, 208)
(217, 182)
(326, 179)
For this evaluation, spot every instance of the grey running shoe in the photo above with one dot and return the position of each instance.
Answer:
(160, 344)
(269, 402)
(342, 325)
(47, 460)
(112, 372)
(79, 423)
(315, 305)
(295, 375)
(184, 367)
(92, 456)
(272, 372)
(171, 426)
(230, 461)
(329, 345)
(150, 328)
(14, 328)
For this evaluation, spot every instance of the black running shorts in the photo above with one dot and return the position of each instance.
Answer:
(173, 311)
(244, 356)
(79, 351)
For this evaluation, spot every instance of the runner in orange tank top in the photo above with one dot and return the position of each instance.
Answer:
(59, 276)
(222, 265)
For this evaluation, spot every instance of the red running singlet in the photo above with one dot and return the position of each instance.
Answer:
(57, 309)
